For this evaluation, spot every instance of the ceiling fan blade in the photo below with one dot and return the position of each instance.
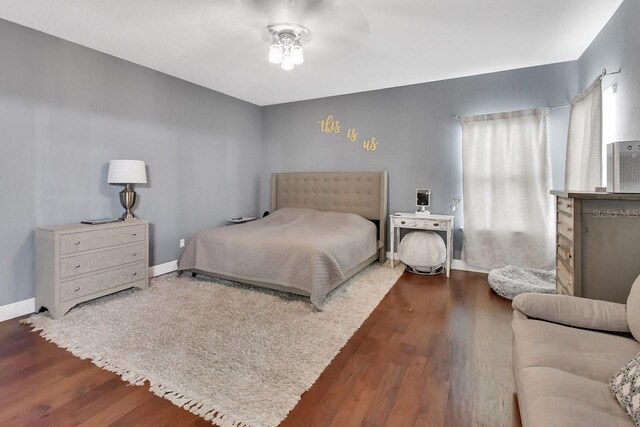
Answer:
(284, 11)
(336, 25)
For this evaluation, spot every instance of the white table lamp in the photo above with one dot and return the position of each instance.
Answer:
(127, 172)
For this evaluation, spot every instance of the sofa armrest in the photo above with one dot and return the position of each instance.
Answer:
(574, 311)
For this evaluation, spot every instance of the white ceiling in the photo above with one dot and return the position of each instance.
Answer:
(357, 45)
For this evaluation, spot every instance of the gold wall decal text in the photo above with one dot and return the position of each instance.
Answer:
(329, 125)
(370, 144)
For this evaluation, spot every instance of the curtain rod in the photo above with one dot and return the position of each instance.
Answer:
(603, 74)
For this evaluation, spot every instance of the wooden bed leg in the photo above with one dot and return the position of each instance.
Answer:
(382, 256)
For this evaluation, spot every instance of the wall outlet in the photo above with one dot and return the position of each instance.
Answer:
(182, 243)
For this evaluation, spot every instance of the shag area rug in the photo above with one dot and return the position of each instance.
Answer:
(233, 354)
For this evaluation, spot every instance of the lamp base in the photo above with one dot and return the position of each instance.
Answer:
(128, 215)
(127, 200)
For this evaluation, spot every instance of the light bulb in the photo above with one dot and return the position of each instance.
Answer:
(287, 62)
(275, 53)
(297, 56)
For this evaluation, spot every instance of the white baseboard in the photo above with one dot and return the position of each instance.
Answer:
(167, 267)
(17, 309)
(456, 264)
(28, 306)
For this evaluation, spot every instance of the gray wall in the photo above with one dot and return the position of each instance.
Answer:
(618, 45)
(419, 142)
(66, 110)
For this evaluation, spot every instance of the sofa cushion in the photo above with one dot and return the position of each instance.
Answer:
(574, 311)
(625, 386)
(633, 309)
(594, 355)
(550, 397)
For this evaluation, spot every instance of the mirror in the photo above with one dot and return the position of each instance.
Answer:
(423, 198)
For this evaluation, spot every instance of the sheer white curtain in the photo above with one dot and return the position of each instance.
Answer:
(508, 211)
(583, 169)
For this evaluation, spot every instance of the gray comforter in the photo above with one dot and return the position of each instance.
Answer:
(302, 250)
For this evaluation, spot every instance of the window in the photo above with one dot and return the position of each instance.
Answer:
(506, 174)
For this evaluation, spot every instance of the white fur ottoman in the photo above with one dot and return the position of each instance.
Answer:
(423, 252)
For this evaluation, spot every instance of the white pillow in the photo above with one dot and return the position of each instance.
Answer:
(625, 386)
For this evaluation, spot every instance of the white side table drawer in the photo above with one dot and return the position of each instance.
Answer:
(422, 223)
(431, 224)
(404, 222)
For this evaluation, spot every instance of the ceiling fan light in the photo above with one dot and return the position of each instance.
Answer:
(287, 62)
(275, 53)
(297, 55)
(286, 42)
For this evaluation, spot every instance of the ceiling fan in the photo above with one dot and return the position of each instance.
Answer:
(324, 28)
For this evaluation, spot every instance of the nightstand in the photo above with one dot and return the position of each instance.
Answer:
(240, 220)
(432, 222)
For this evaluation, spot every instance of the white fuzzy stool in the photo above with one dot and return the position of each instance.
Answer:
(423, 252)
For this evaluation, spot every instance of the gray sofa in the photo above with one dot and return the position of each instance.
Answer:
(565, 349)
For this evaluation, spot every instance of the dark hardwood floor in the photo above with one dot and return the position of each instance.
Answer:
(435, 352)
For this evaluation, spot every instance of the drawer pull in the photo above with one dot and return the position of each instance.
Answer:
(435, 224)
(402, 222)
(569, 256)
(77, 265)
(134, 254)
(134, 233)
(76, 289)
(77, 243)
(135, 273)
(568, 205)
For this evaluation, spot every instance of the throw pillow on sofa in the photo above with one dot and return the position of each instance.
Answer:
(625, 386)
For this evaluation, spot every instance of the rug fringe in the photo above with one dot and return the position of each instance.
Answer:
(195, 406)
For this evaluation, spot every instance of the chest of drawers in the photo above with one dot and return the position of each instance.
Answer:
(77, 263)
(597, 247)
(568, 260)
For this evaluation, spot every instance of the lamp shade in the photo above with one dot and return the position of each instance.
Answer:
(297, 54)
(127, 172)
(287, 63)
(275, 53)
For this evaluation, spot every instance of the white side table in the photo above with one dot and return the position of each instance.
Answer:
(432, 222)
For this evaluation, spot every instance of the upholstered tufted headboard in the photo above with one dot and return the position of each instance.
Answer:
(362, 193)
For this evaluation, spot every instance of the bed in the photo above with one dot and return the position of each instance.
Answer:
(324, 228)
